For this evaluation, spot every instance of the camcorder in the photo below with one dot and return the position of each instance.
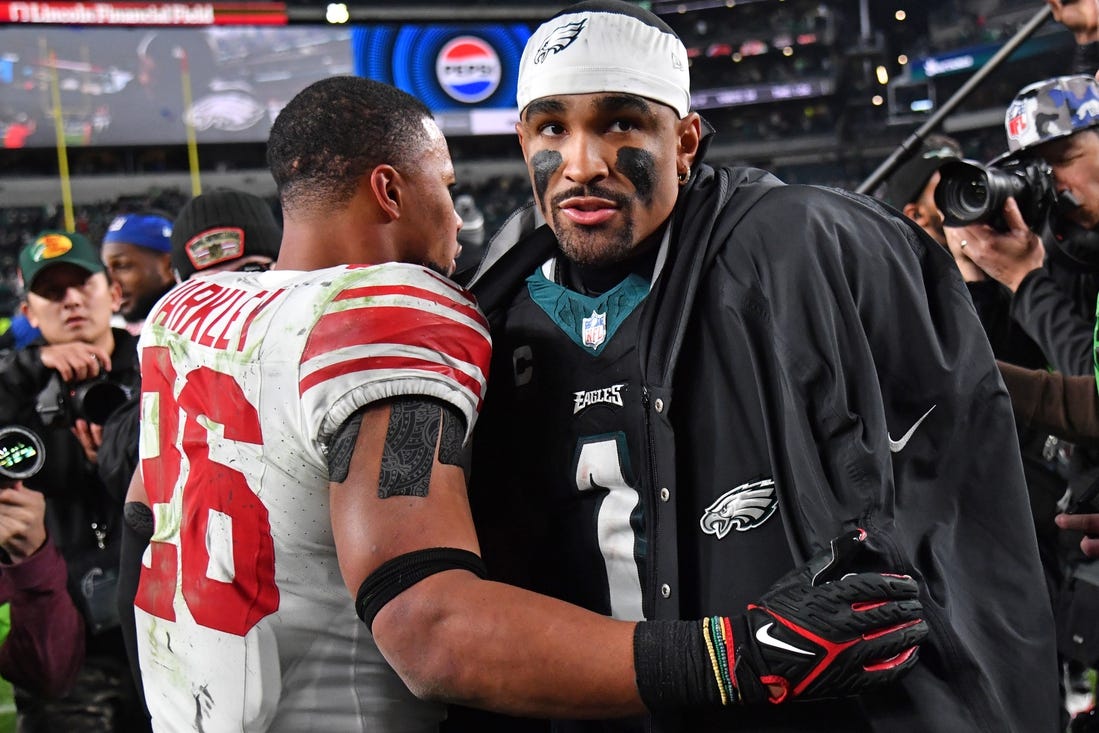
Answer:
(61, 404)
(22, 454)
(969, 192)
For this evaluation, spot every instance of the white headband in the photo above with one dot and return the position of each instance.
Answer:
(591, 52)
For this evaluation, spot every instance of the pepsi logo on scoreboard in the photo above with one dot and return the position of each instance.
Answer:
(451, 67)
(468, 69)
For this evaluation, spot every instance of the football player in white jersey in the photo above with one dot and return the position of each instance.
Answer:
(301, 438)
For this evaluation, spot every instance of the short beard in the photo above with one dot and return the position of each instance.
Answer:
(599, 245)
(594, 246)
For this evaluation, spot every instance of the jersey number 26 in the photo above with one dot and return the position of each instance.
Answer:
(216, 504)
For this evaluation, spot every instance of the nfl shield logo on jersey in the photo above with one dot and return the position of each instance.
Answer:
(594, 331)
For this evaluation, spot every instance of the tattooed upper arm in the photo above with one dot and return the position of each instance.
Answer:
(410, 442)
(342, 445)
(409, 450)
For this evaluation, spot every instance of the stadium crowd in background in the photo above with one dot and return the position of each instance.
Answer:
(44, 646)
(71, 300)
(137, 251)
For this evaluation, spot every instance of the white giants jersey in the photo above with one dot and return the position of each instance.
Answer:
(244, 623)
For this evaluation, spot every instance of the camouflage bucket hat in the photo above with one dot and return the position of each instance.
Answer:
(1049, 110)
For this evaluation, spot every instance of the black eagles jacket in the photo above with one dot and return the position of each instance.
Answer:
(805, 336)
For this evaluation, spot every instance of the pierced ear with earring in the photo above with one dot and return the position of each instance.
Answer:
(683, 176)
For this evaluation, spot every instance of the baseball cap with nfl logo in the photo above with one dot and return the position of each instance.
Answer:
(1049, 110)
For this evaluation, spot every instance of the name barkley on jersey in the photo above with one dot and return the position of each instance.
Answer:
(606, 395)
(207, 315)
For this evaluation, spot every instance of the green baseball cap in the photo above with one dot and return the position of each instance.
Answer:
(54, 248)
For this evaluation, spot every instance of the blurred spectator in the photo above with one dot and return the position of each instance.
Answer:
(911, 187)
(137, 252)
(471, 236)
(18, 130)
(224, 230)
(71, 300)
(44, 647)
(18, 333)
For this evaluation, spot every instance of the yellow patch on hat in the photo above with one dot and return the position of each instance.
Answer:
(50, 246)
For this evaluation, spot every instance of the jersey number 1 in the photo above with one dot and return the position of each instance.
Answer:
(214, 494)
(599, 468)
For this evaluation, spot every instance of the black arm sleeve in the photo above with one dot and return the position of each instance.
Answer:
(137, 529)
(1050, 317)
(22, 377)
(118, 453)
(1085, 59)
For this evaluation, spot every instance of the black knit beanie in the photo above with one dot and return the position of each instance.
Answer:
(221, 226)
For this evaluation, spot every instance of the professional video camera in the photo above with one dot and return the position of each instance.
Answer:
(62, 403)
(22, 454)
(969, 192)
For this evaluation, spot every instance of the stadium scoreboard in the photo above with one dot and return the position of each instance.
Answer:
(143, 14)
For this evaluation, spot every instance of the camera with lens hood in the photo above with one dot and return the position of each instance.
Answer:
(969, 192)
(62, 403)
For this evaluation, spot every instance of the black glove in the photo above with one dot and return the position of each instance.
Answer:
(818, 633)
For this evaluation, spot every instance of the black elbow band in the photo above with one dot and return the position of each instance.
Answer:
(404, 571)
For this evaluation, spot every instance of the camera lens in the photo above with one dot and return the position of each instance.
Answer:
(974, 195)
(963, 193)
(21, 453)
(96, 400)
(969, 192)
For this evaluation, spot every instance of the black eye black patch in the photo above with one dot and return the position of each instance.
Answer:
(640, 168)
(544, 163)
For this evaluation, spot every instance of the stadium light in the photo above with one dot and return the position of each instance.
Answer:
(337, 13)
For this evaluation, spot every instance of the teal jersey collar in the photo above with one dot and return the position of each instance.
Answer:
(590, 321)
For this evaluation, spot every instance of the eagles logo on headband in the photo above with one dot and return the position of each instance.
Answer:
(559, 39)
(605, 46)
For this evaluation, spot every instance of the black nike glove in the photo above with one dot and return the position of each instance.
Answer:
(816, 634)
(823, 630)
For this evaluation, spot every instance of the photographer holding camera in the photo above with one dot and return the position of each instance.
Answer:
(1030, 219)
(63, 387)
(44, 647)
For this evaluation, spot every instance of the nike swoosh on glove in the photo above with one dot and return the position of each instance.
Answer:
(810, 637)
